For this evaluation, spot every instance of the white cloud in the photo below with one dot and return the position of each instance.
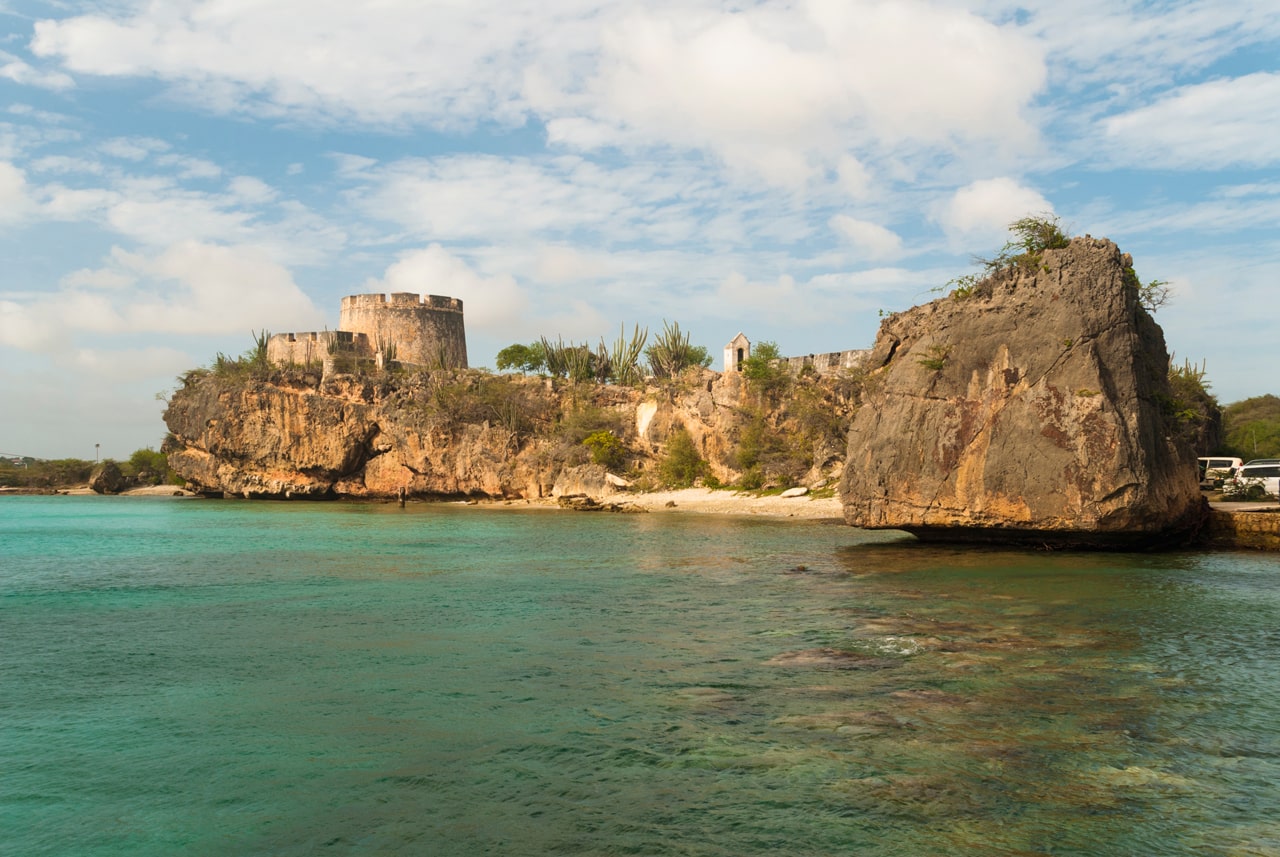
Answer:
(398, 60)
(247, 189)
(855, 180)
(783, 92)
(191, 288)
(65, 164)
(780, 300)
(159, 211)
(128, 364)
(778, 91)
(978, 215)
(465, 198)
(132, 148)
(190, 168)
(98, 278)
(1221, 123)
(489, 303)
(562, 264)
(871, 239)
(14, 200)
(20, 328)
(1131, 48)
(218, 290)
(14, 69)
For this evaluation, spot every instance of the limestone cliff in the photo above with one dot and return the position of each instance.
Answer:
(1032, 409)
(288, 433)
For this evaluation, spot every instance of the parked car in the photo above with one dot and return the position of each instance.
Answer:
(1215, 469)
(1254, 479)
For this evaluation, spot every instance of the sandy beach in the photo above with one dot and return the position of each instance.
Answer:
(707, 501)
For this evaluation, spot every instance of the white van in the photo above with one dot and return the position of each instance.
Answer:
(1216, 469)
(1265, 475)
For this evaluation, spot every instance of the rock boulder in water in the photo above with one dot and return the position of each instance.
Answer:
(106, 478)
(1033, 410)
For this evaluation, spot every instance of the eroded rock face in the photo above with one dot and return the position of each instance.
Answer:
(292, 435)
(1033, 411)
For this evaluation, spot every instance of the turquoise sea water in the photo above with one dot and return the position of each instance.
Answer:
(209, 678)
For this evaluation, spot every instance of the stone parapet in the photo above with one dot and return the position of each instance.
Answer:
(829, 363)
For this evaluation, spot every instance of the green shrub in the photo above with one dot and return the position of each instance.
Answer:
(606, 449)
(935, 357)
(766, 372)
(1249, 490)
(149, 466)
(586, 419)
(472, 398)
(681, 465)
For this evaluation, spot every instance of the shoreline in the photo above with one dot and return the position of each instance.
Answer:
(703, 501)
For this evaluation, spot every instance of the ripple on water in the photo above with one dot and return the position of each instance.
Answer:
(293, 680)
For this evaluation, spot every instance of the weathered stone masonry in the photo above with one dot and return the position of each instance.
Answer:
(425, 331)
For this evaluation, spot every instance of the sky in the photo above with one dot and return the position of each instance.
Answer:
(176, 175)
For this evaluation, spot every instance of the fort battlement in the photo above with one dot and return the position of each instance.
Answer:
(400, 299)
(425, 331)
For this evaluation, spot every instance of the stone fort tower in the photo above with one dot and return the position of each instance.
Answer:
(423, 331)
(426, 330)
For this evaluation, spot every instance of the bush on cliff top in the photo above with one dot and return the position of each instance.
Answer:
(1034, 234)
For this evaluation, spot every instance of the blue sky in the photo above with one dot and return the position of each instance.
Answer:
(175, 174)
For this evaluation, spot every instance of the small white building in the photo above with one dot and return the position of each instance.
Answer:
(738, 349)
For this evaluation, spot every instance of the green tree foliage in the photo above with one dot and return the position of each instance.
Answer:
(1031, 236)
(759, 451)
(700, 356)
(681, 465)
(1151, 295)
(607, 449)
(145, 466)
(1253, 427)
(53, 473)
(766, 371)
(522, 358)
(148, 466)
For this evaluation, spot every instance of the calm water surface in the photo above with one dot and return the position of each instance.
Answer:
(209, 678)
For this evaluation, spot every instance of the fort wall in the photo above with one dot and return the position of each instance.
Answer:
(311, 348)
(426, 330)
(829, 363)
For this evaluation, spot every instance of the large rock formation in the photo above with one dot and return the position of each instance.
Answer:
(106, 478)
(456, 433)
(1034, 409)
